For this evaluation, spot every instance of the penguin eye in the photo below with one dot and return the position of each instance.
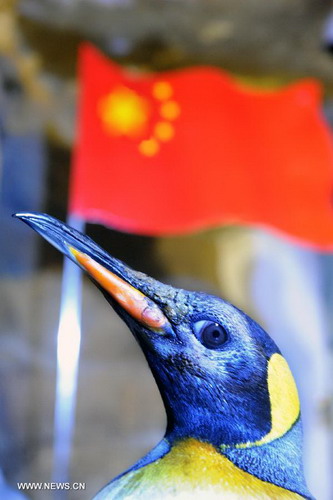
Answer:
(210, 334)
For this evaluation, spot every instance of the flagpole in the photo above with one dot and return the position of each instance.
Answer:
(68, 353)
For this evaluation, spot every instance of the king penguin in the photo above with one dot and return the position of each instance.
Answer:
(233, 413)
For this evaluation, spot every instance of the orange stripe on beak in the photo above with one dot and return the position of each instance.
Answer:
(131, 300)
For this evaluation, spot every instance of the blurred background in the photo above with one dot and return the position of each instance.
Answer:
(285, 285)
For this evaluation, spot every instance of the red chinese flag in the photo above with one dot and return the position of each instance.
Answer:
(173, 152)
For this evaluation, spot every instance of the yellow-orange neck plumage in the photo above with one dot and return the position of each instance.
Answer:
(193, 469)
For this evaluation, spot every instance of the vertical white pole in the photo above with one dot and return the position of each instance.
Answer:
(68, 352)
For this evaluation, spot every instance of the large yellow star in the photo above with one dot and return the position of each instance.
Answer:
(124, 112)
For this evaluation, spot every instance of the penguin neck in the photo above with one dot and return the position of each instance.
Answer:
(215, 428)
(278, 462)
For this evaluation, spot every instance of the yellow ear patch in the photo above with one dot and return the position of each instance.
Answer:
(284, 401)
(285, 406)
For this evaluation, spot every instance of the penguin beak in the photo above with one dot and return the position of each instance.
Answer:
(122, 284)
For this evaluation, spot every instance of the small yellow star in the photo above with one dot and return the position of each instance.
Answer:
(162, 91)
(164, 131)
(170, 110)
(149, 147)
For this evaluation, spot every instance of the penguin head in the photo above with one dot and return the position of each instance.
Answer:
(221, 377)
